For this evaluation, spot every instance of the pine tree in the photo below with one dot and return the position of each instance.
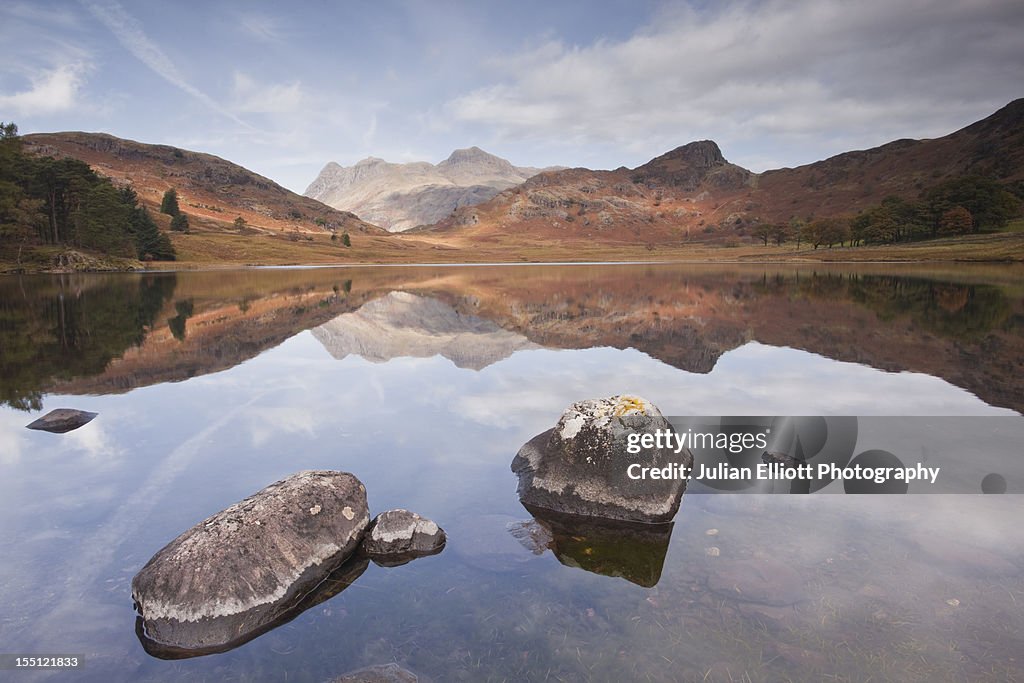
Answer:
(179, 223)
(169, 205)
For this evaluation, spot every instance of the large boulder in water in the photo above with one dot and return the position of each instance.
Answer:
(231, 575)
(581, 466)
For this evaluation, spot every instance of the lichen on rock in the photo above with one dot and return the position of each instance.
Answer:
(580, 466)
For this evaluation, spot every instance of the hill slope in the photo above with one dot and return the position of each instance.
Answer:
(212, 191)
(692, 193)
(403, 196)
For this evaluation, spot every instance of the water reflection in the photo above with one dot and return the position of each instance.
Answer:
(68, 326)
(103, 334)
(238, 629)
(631, 551)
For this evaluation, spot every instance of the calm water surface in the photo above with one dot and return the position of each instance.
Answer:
(424, 382)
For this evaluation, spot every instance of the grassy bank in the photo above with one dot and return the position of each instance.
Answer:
(218, 250)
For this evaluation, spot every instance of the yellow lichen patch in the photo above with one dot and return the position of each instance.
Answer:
(628, 405)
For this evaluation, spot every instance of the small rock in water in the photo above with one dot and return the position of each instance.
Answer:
(711, 532)
(397, 536)
(62, 420)
(712, 551)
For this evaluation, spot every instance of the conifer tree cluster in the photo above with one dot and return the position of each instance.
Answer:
(48, 201)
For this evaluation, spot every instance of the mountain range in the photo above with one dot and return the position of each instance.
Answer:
(476, 205)
(693, 193)
(398, 197)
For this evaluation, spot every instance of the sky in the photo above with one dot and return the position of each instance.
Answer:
(283, 88)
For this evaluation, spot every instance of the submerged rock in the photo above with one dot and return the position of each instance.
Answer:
(381, 673)
(224, 580)
(62, 420)
(397, 536)
(581, 466)
(763, 581)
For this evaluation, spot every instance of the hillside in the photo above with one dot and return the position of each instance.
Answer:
(402, 196)
(212, 192)
(693, 194)
(852, 181)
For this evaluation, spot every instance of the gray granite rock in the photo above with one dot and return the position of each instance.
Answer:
(62, 420)
(238, 570)
(581, 466)
(396, 536)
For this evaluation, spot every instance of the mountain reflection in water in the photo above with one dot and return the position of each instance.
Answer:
(110, 333)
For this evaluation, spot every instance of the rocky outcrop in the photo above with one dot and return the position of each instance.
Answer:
(62, 420)
(403, 196)
(690, 166)
(397, 536)
(225, 579)
(580, 467)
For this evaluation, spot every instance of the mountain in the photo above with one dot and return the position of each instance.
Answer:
(400, 324)
(403, 196)
(212, 191)
(692, 193)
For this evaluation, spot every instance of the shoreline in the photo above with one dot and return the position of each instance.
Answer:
(1006, 248)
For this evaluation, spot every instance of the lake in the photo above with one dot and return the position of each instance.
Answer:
(425, 381)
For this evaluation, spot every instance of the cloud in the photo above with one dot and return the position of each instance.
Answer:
(52, 91)
(130, 34)
(818, 73)
(261, 27)
(259, 98)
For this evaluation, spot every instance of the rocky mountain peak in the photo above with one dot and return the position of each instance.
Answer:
(469, 154)
(474, 159)
(699, 154)
(400, 196)
(691, 165)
